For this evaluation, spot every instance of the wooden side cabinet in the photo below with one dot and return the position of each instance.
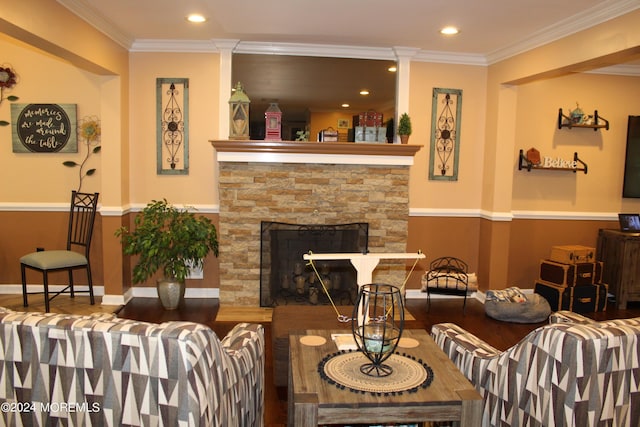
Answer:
(620, 254)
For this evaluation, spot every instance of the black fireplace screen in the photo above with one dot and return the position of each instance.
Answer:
(286, 278)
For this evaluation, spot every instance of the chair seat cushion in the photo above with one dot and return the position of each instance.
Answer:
(49, 260)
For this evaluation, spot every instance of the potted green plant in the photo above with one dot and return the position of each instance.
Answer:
(404, 128)
(171, 240)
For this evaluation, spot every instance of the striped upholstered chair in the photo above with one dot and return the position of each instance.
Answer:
(572, 372)
(99, 370)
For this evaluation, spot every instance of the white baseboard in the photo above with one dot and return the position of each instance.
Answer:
(151, 292)
(479, 295)
(117, 299)
(418, 294)
(17, 289)
(114, 299)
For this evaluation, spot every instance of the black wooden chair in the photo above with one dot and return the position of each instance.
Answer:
(81, 219)
(447, 275)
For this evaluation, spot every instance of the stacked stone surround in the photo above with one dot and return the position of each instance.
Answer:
(306, 193)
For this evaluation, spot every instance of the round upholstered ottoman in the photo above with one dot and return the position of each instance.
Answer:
(511, 305)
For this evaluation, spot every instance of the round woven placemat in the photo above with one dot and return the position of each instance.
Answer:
(343, 370)
(312, 340)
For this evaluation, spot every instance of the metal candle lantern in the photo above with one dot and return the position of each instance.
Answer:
(377, 324)
(239, 114)
(273, 122)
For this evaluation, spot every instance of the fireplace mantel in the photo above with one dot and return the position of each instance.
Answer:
(315, 152)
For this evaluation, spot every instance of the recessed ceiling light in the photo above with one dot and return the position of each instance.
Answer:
(392, 69)
(449, 31)
(196, 18)
(345, 105)
(364, 92)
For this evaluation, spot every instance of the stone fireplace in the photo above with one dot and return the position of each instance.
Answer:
(308, 183)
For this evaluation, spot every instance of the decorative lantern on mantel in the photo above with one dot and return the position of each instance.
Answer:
(273, 122)
(239, 114)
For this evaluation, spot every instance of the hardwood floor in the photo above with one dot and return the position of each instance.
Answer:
(501, 335)
(62, 304)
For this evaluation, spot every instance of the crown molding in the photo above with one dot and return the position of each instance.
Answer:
(304, 49)
(581, 21)
(450, 58)
(175, 46)
(89, 15)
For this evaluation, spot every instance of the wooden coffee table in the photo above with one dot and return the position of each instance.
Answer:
(313, 400)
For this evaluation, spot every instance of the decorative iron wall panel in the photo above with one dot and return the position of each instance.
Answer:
(173, 126)
(445, 134)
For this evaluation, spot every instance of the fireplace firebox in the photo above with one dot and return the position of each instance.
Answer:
(286, 278)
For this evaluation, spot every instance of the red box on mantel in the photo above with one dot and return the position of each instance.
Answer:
(368, 119)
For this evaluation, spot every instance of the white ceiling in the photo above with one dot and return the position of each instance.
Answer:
(489, 27)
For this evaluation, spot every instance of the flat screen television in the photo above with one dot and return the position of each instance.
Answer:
(631, 186)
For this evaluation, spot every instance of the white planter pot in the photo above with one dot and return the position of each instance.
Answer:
(171, 293)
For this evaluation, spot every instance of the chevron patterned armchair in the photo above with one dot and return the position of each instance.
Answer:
(572, 372)
(98, 370)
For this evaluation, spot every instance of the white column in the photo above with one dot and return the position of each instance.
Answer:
(225, 47)
(403, 56)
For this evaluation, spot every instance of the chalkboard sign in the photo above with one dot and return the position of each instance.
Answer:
(44, 128)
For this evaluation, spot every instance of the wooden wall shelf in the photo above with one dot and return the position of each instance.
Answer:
(524, 163)
(564, 121)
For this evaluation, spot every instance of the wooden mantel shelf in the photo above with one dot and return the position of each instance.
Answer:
(315, 152)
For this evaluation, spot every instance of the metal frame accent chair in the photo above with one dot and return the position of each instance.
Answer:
(81, 219)
(447, 275)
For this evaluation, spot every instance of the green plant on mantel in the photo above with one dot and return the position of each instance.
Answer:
(404, 125)
(169, 239)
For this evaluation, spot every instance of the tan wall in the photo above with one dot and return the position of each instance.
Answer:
(442, 236)
(471, 239)
(65, 63)
(198, 188)
(600, 190)
(531, 241)
(604, 44)
(464, 193)
(38, 177)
